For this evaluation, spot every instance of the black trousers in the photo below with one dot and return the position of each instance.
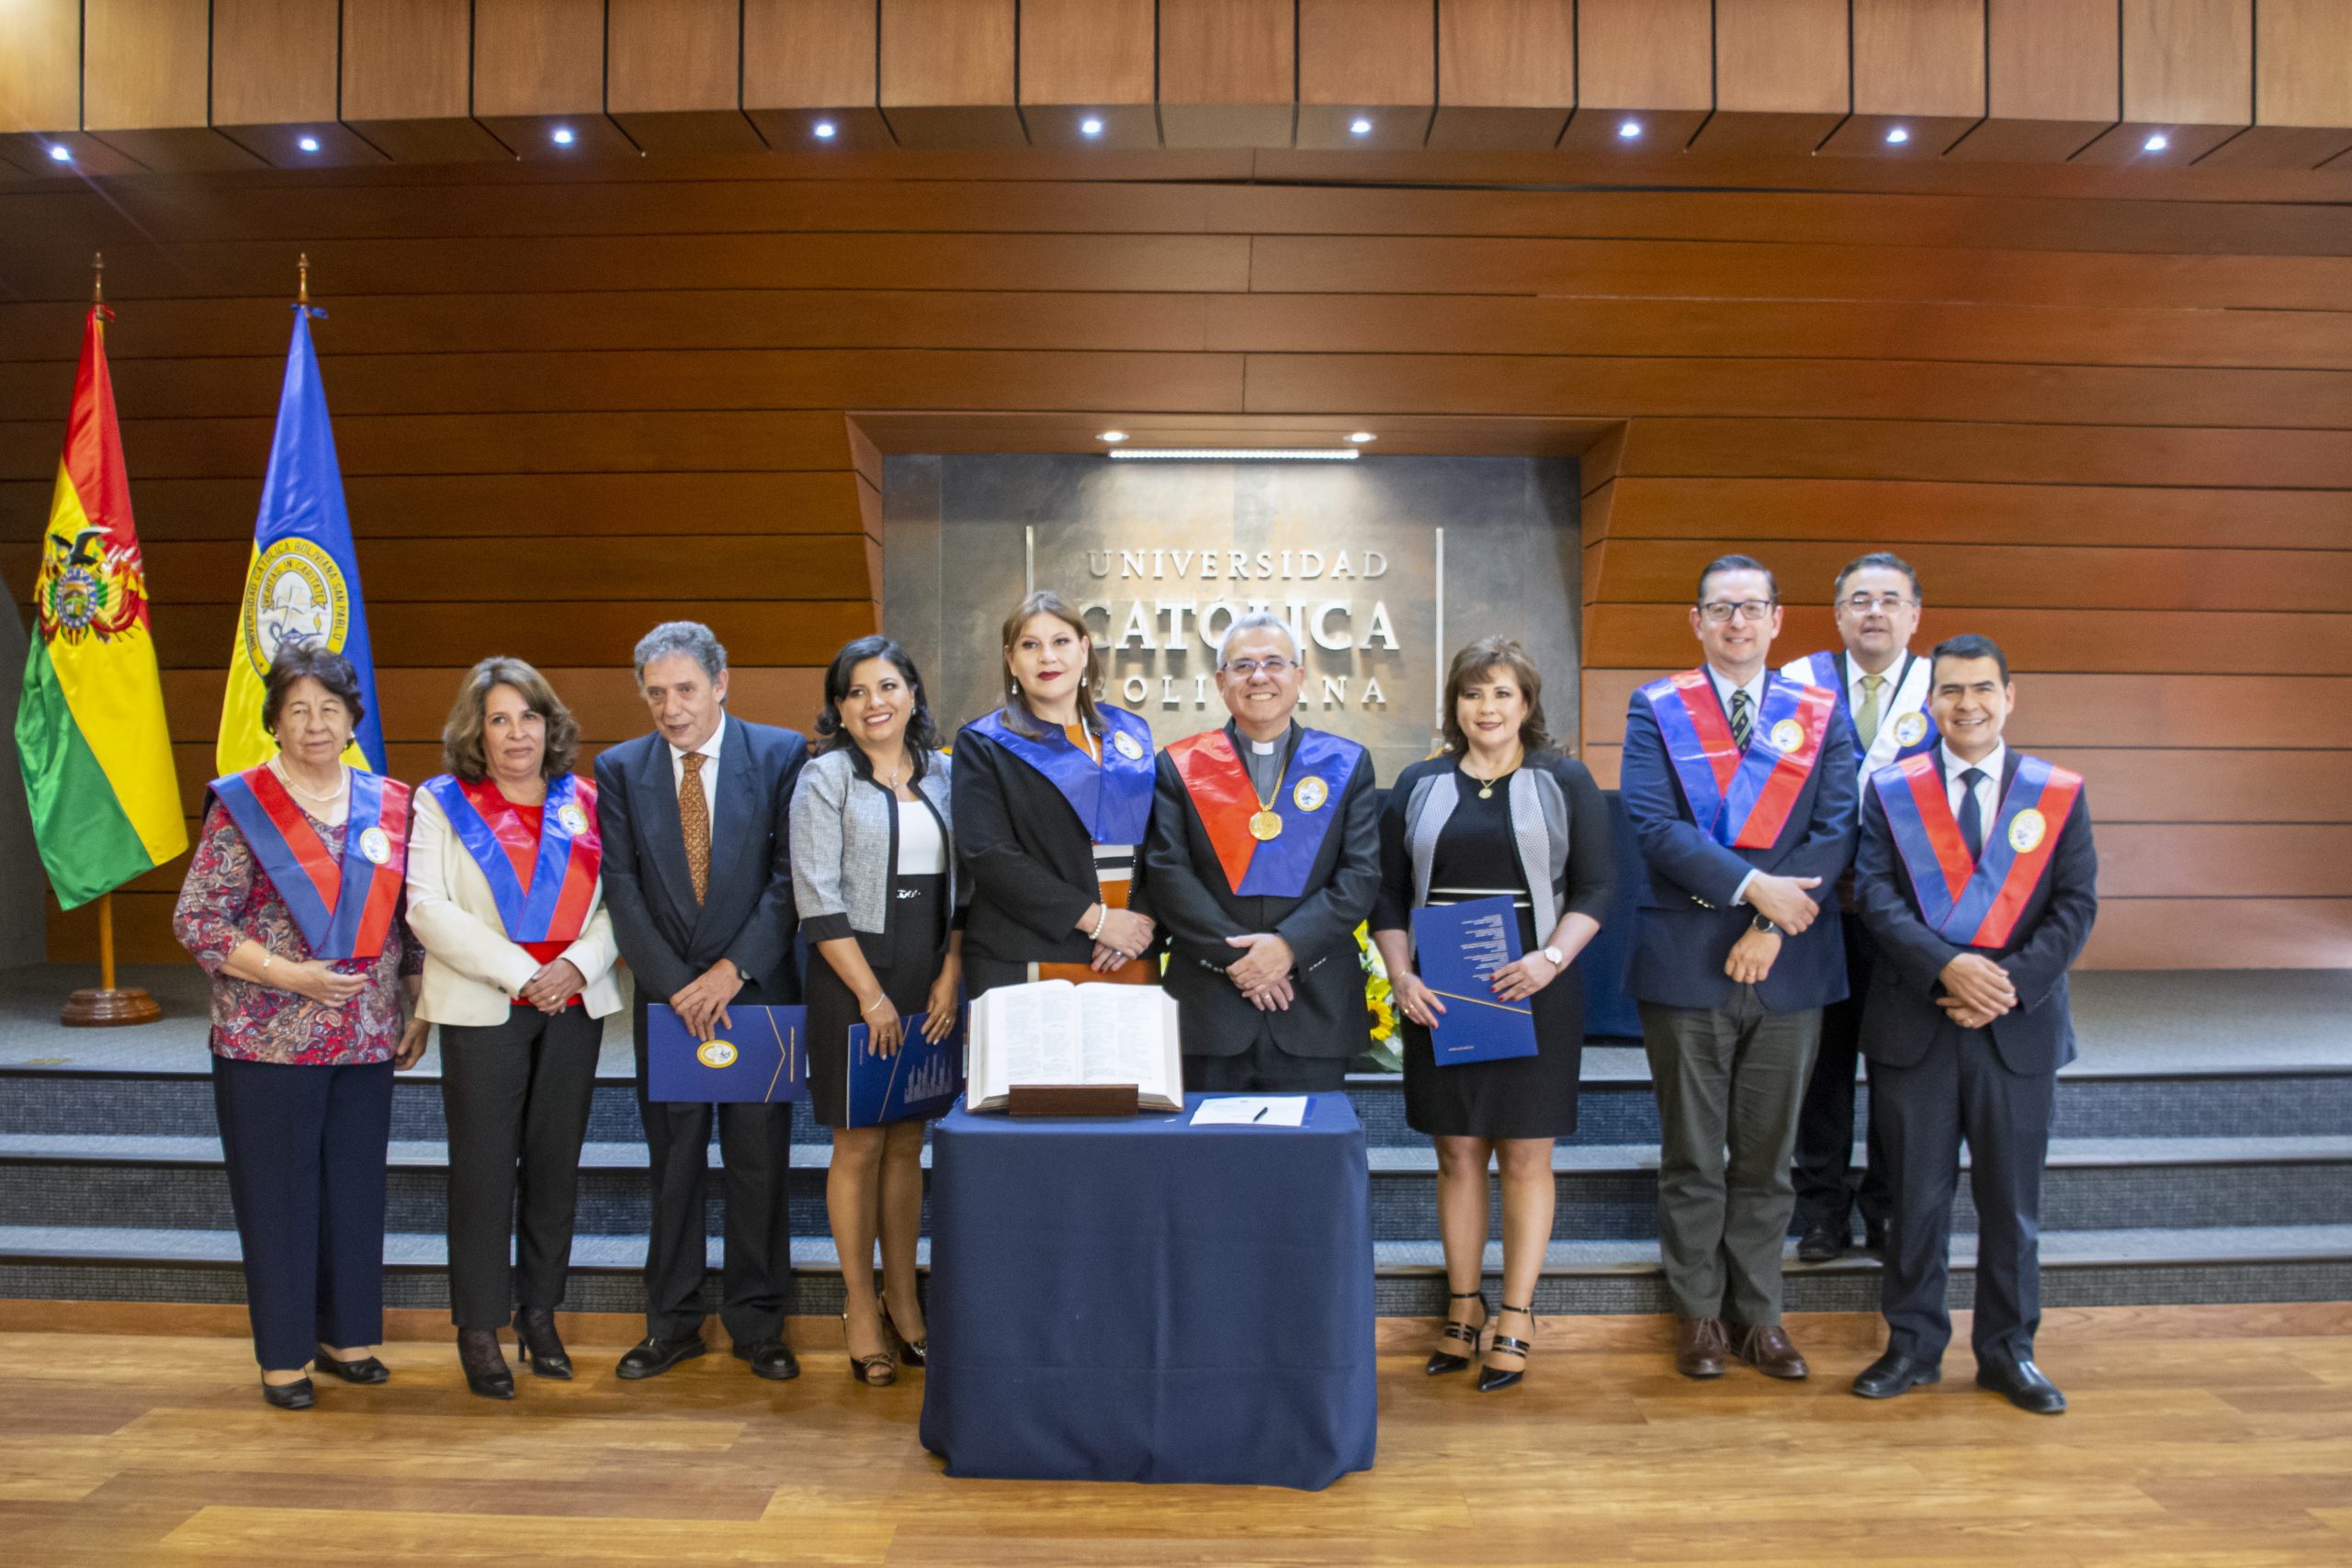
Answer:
(1961, 1092)
(1828, 1190)
(305, 1149)
(755, 1143)
(1265, 1069)
(515, 1095)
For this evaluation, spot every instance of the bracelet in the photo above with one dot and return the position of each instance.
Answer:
(265, 956)
(1100, 921)
(876, 1002)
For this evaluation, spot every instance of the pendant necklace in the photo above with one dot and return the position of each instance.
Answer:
(1486, 787)
(1266, 823)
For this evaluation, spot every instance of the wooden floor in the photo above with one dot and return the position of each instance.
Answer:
(2198, 1435)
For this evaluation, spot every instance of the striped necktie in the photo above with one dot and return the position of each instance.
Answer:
(1741, 721)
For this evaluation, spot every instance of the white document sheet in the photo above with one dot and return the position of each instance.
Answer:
(1251, 1110)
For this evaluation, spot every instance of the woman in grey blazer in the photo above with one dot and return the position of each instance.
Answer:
(873, 877)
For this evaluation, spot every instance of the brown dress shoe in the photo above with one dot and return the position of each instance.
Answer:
(1767, 1348)
(1699, 1347)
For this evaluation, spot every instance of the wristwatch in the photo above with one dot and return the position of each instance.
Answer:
(1553, 954)
(1762, 923)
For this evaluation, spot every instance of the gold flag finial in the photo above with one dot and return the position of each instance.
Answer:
(98, 277)
(302, 290)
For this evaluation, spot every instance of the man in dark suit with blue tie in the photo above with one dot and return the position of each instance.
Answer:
(1977, 876)
(698, 878)
(1740, 783)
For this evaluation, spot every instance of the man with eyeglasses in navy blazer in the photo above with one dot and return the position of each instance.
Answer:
(1740, 784)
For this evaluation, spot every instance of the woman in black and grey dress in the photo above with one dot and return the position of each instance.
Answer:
(874, 878)
(1499, 813)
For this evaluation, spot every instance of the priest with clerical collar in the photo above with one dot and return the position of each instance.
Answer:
(1264, 857)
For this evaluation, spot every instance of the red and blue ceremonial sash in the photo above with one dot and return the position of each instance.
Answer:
(1829, 669)
(1975, 904)
(1112, 800)
(543, 894)
(1741, 800)
(343, 908)
(1307, 803)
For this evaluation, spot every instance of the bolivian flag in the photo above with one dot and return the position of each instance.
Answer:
(106, 805)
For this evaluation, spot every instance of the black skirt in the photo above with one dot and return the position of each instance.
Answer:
(1526, 1097)
(917, 939)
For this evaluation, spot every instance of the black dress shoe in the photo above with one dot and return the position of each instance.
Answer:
(1823, 1243)
(484, 1364)
(649, 1357)
(771, 1358)
(1892, 1374)
(1874, 1238)
(289, 1395)
(365, 1370)
(542, 1350)
(2022, 1384)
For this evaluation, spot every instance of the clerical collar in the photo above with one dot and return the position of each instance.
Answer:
(1263, 748)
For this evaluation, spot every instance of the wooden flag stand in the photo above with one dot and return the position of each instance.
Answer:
(107, 1007)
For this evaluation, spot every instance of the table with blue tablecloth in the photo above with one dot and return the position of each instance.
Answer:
(1139, 1299)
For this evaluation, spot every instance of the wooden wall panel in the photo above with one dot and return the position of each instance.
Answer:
(41, 70)
(2187, 80)
(540, 69)
(2053, 75)
(1090, 60)
(1918, 78)
(1649, 63)
(146, 82)
(673, 81)
(2302, 88)
(811, 65)
(948, 70)
(1784, 78)
(408, 80)
(1506, 73)
(1366, 62)
(1227, 72)
(277, 82)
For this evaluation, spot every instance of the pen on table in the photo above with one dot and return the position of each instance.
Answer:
(1261, 1116)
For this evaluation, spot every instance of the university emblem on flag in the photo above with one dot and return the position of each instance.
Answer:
(1910, 728)
(376, 846)
(295, 593)
(575, 820)
(2026, 831)
(1787, 734)
(1129, 747)
(1311, 794)
(714, 1053)
(87, 587)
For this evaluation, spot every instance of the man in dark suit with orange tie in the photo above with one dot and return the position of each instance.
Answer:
(1978, 879)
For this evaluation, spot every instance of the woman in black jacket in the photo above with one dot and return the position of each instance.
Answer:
(1053, 792)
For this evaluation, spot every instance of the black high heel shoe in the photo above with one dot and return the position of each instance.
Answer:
(365, 1369)
(1493, 1378)
(485, 1363)
(911, 1351)
(541, 1350)
(1442, 1360)
(864, 1368)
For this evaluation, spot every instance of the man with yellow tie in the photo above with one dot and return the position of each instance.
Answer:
(1883, 687)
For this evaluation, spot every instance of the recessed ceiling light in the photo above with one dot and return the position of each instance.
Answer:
(825, 130)
(1898, 136)
(563, 136)
(61, 152)
(1360, 127)
(1090, 126)
(1112, 435)
(1629, 131)
(2155, 143)
(1362, 436)
(1235, 455)
(308, 143)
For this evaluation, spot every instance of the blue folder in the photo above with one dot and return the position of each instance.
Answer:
(922, 1080)
(1458, 947)
(761, 1057)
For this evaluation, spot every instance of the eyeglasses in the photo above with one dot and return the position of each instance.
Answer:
(1722, 610)
(1273, 668)
(1885, 603)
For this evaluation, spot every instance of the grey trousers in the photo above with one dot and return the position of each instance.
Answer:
(1730, 1081)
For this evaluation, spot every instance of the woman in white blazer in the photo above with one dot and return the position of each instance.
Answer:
(506, 894)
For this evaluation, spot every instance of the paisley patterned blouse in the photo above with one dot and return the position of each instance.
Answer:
(229, 897)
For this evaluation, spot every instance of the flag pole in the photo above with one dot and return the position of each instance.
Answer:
(107, 1006)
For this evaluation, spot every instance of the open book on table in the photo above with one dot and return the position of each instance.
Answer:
(1050, 1031)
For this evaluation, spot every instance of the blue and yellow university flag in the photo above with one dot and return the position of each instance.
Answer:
(303, 582)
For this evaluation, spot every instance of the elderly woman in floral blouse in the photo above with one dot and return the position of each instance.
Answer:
(292, 905)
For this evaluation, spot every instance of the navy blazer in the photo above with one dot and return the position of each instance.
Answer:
(1688, 921)
(747, 912)
(1900, 1015)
